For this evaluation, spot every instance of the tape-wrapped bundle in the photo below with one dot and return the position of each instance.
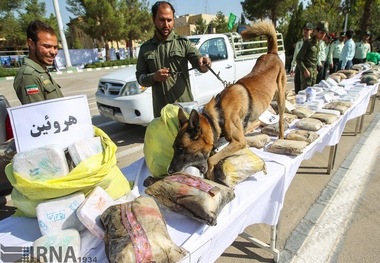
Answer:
(302, 135)
(302, 112)
(309, 124)
(238, 167)
(288, 147)
(325, 117)
(136, 232)
(341, 106)
(192, 196)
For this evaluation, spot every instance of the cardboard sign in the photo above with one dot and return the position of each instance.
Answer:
(59, 121)
(269, 118)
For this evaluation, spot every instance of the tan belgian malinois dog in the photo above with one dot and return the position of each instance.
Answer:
(233, 112)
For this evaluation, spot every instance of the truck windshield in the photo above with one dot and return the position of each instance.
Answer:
(194, 41)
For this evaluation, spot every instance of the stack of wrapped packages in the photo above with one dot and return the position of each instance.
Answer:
(313, 108)
(189, 193)
(68, 190)
(85, 192)
(135, 231)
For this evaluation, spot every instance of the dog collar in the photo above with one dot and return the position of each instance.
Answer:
(213, 128)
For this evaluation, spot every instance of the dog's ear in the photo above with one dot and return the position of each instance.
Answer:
(181, 117)
(194, 125)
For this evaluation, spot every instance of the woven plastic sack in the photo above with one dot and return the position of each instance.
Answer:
(159, 138)
(98, 170)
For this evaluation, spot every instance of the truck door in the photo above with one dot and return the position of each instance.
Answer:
(206, 85)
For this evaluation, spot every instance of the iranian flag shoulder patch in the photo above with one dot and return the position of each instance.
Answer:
(32, 89)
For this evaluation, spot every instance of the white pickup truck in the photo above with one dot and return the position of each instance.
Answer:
(121, 98)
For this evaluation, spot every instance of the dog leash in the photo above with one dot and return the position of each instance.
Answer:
(217, 75)
(173, 73)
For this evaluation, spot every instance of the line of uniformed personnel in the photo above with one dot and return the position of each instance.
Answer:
(322, 52)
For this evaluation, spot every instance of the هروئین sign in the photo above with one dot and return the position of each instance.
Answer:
(58, 121)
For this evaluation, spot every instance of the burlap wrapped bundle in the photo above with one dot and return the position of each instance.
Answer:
(136, 232)
(325, 117)
(341, 106)
(370, 79)
(309, 124)
(301, 135)
(192, 196)
(348, 72)
(289, 118)
(288, 147)
(338, 77)
(274, 129)
(258, 141)
(302, 112)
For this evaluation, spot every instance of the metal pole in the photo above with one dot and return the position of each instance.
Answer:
(345, 23)
(347, 9)
(62, 33)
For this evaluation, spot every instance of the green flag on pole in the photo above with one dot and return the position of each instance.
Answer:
(231, 21)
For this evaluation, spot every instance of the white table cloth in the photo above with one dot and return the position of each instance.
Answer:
(259, 199)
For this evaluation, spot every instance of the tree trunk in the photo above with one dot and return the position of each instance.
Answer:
(367, 15)
(130, 45)
(108, 54)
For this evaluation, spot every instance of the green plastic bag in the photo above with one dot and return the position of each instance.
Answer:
(159, 138)
(98, 170)
(373, 57)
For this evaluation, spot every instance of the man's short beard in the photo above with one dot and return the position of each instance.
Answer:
(36, 55)
(160, 32)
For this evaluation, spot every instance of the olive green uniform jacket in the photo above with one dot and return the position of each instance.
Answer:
(173, 53)
(307, 58)
(33, 83)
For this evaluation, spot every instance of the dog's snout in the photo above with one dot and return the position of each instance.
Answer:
(172, 168)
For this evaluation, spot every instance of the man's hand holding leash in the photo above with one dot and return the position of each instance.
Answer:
(204, 64)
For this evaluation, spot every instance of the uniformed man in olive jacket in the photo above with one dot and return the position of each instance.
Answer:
(163, 61)
(307, 57)
(33, 81)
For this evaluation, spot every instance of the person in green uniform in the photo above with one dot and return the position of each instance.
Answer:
(294, 71)
(163, 61)
(307, 57)
(362, 48)
(33, 81)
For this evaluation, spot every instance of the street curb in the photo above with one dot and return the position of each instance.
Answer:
(74, 70)
(299, 235)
